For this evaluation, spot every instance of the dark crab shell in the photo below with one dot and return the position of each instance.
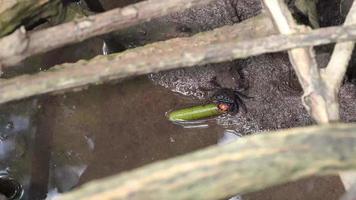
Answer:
(229, 97)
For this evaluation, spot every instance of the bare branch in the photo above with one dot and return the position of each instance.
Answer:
(79, 30)
(316, 98)
(222, 44)
(249, 164)
(350, 194)
(13, 44)
(348, 178)
(336, 69)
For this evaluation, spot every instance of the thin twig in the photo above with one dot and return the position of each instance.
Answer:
(249, 164)
(222, 44)
(79, 30)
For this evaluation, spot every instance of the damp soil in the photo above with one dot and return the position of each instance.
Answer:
(54, 143)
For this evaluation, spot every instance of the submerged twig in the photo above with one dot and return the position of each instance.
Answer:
(117, 19)
(222, 44)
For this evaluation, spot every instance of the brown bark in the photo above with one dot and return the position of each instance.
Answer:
(227, 43)
(249, 164)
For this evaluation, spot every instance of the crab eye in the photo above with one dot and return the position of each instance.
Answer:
(224, 107)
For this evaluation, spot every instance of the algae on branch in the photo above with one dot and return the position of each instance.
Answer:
(26, 12)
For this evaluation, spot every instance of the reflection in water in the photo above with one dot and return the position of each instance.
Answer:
(229, 136)
(194, 124)
(16, 136)
(99, 132)
(66, 177)
(112, 128)
(6, 147)
(10, 188)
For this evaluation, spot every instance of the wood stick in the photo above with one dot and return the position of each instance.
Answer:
(249, 164)
(220, 45)
(316, 98)
(79, 30)
(339, 61)
(350, 194)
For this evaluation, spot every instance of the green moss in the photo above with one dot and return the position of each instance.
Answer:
(27, 12)
(195, 113)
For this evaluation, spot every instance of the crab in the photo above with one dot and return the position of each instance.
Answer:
(229, 100)
(227, 97)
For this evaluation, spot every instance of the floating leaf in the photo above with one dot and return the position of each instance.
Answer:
(195, 113)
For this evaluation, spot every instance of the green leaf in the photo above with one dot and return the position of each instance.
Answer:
(195, 113)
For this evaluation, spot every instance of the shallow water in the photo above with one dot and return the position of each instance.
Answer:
(17, 132)
(114, 128)
(102, 131)
(69, 139)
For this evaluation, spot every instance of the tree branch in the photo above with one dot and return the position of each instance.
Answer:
(317, 99)
(76, 31)
(348, 178)
(249, 164)
(350, 194)
(226, 43)
(339, 61)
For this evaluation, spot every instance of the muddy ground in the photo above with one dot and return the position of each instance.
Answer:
(268, 78)
(70, 139)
